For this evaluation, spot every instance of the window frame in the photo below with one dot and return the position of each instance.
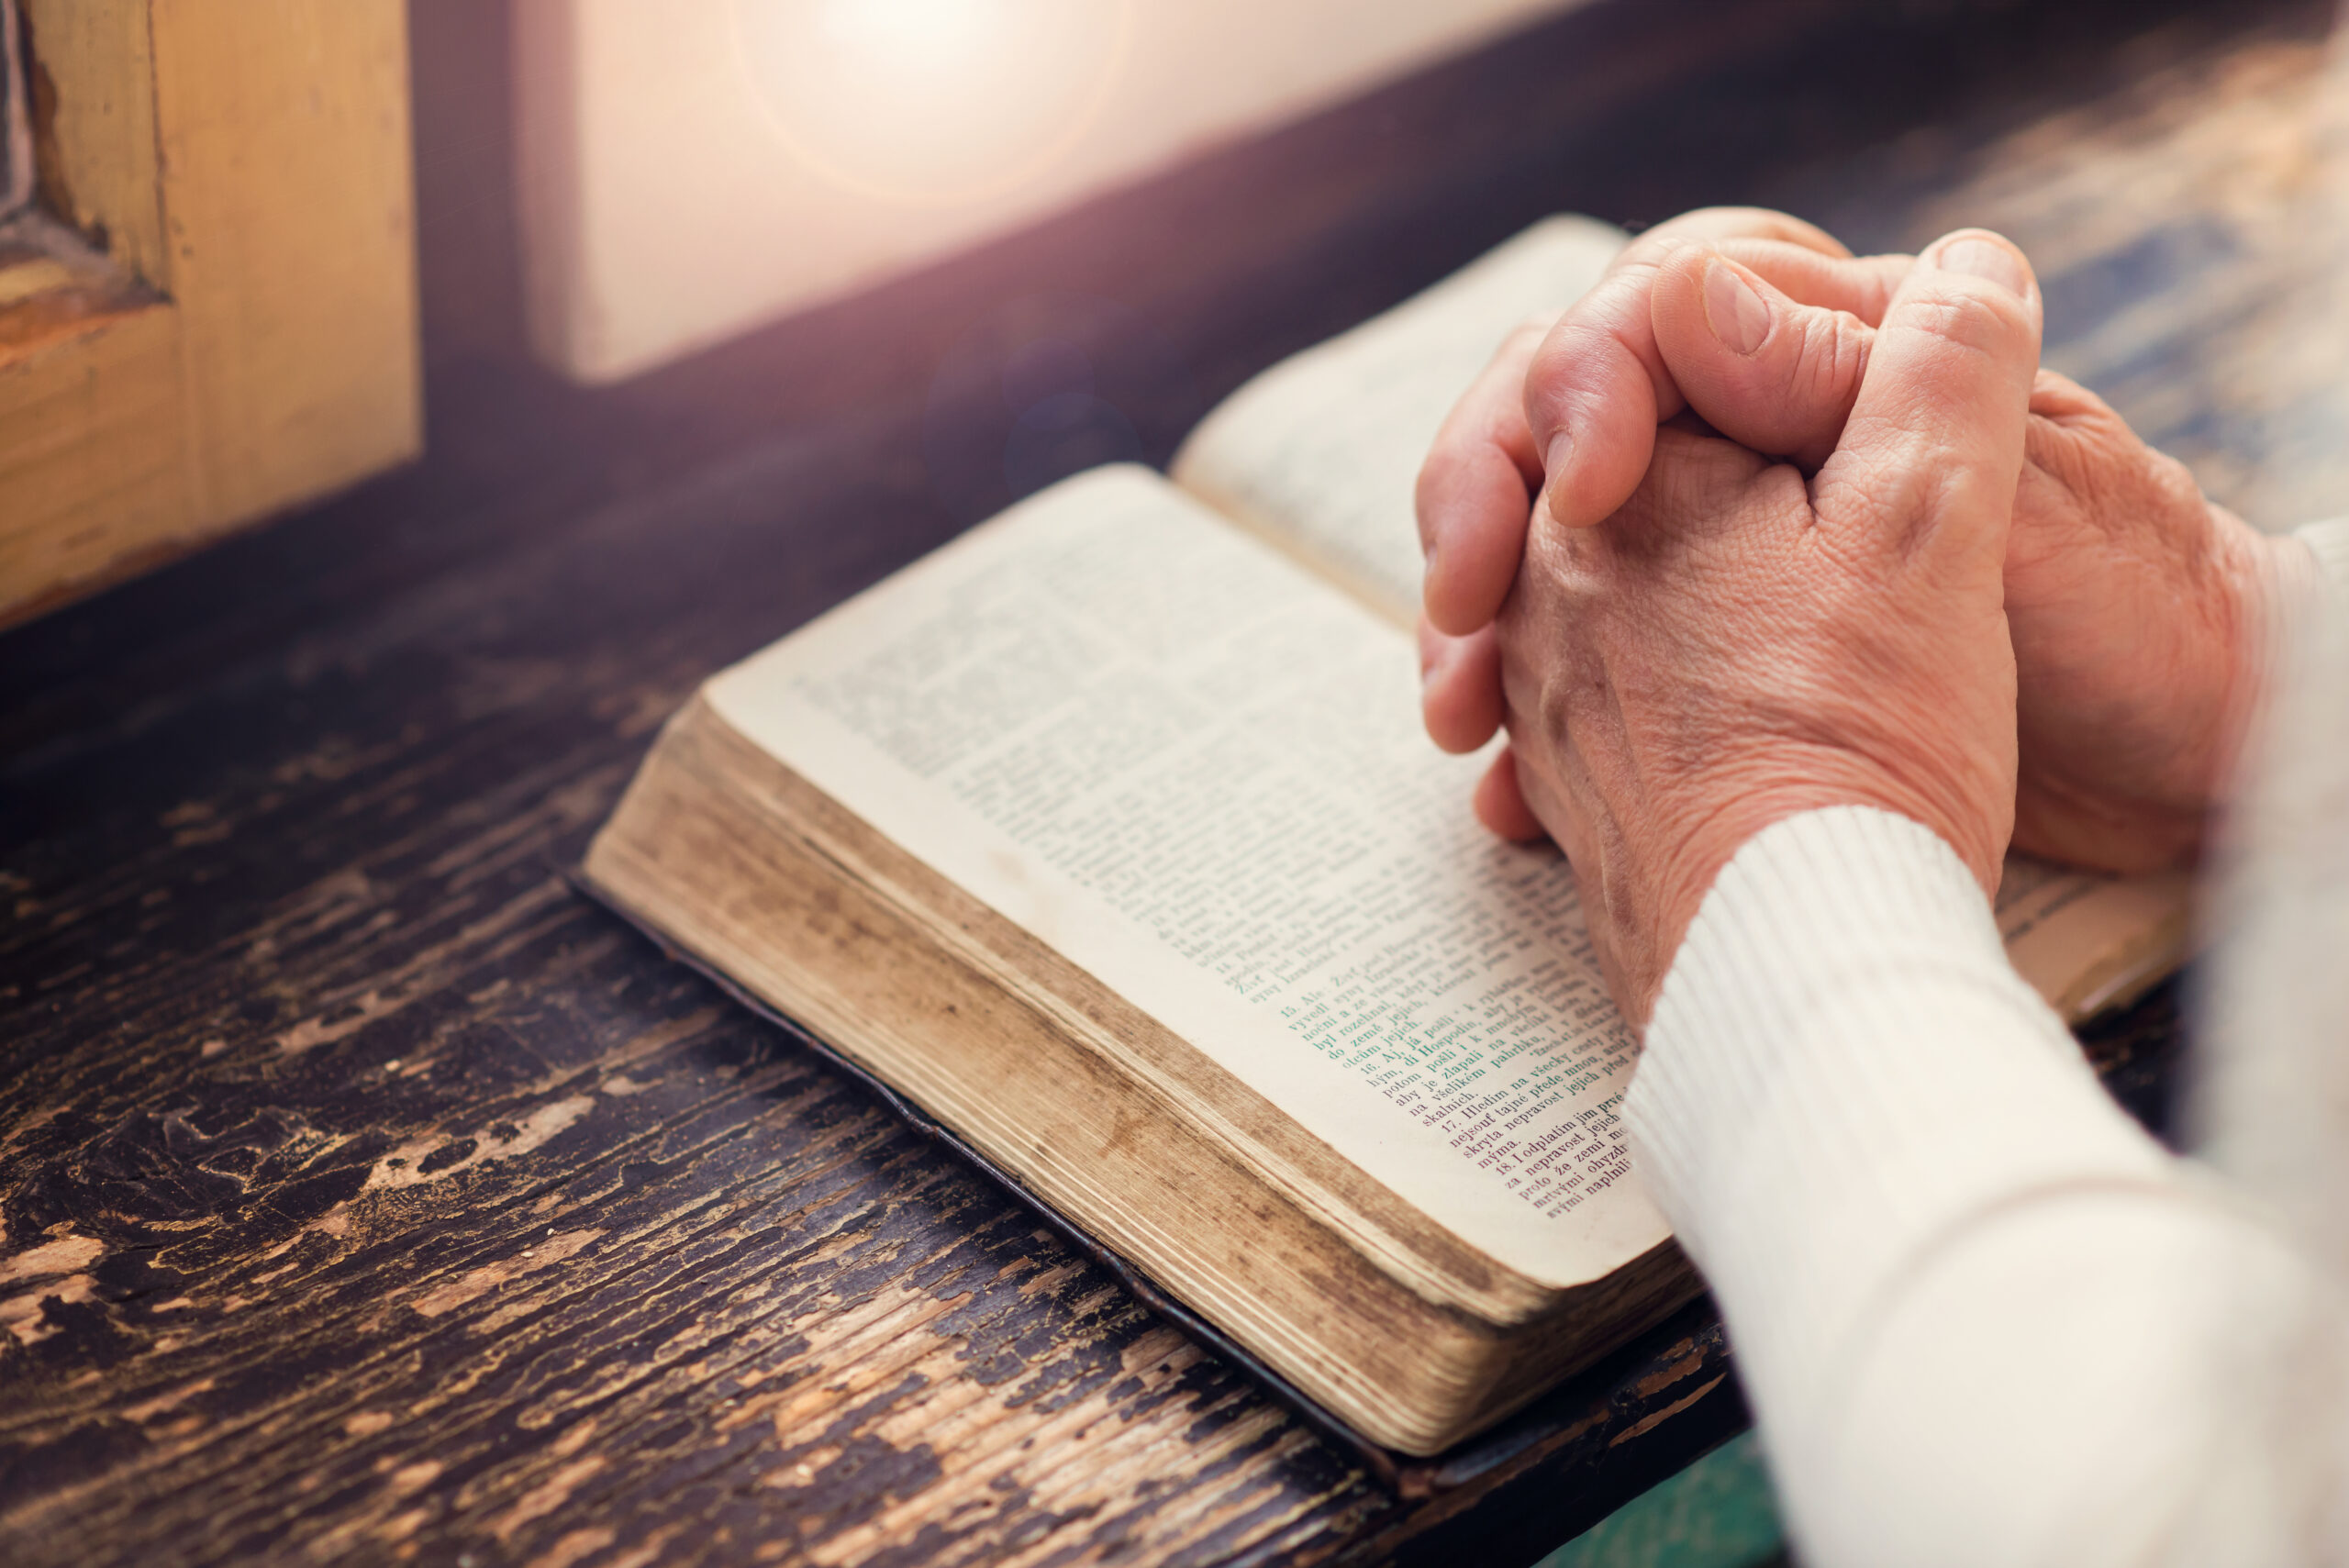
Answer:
(16, 116)
(212, 312)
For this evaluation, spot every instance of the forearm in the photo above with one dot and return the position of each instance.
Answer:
(1930, 1232)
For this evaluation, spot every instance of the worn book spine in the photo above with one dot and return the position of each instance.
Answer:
(1408, 1475)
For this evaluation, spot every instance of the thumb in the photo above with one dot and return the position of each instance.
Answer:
(1935, 444)
(1769, 373)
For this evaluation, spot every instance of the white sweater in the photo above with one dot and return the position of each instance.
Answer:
(1981, 1318)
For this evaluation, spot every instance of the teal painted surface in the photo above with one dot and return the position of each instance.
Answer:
(1718, 1513)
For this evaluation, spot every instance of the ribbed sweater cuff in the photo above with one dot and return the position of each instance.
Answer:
(1842, 1071)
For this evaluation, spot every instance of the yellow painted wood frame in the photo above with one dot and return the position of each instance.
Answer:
(242, 334)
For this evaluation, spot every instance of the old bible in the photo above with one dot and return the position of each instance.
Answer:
(1107, 836)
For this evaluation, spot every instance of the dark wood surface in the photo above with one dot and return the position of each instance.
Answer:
(369, 1195)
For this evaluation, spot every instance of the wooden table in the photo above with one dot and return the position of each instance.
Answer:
(370, 1195)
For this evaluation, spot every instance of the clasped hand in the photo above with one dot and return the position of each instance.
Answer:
(1759, 526)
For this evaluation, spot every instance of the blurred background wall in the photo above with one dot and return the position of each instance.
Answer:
(688, 170)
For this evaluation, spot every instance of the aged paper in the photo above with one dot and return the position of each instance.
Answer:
(1198, 772)
(2085, 941)
(1319, 453)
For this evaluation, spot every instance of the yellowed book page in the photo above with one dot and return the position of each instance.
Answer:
(1197, 772)
(2087, 942)
(1320, 453)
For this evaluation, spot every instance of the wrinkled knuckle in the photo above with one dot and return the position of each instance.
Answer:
(1722, 472)
(1549, 555)
(1984, 322)
(1572, 380)
(1779, 488)
(1833, 355)
(1875, 497)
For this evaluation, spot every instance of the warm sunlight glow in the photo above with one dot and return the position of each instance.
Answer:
(933, 101)
(912, 36)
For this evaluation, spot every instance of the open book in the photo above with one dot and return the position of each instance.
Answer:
(1107, 835)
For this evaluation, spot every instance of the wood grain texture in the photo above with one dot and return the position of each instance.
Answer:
(2190, 223)
(247, 164)
(1177, 1170)
(284, 133)
(94, 441)
(370, 1196)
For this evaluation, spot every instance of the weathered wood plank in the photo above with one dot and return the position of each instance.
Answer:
(2188, 221)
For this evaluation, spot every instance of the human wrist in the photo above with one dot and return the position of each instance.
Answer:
(1842, 1066)
(2274, 581)
(1741, 807)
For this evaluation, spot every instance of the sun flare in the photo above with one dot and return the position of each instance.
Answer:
(932, 101)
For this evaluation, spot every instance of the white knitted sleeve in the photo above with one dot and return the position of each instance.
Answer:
(2330, 543)
(1981, 1317)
